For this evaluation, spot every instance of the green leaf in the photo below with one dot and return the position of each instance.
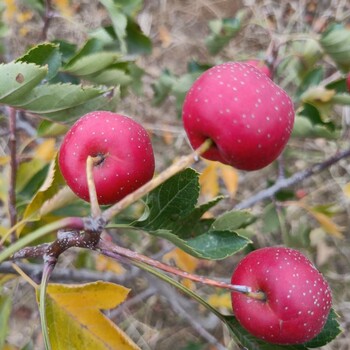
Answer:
(233, 220)
(252, 343)
(222, 31)
(336, 43)
(92, 63)
(212, 245)
(136, 41)
(50, 100)
(312, 78)
(106, 102)
(162, 87)
(48, 193)
(119, 21)
(90, 47)
(47, 128)
(303, 127)
(170, 202)
(18, 79)
(111, 77)
(217, 245)
(329, 332)
(173, 215)
(44, 54)
(5, 312)
(341, 99)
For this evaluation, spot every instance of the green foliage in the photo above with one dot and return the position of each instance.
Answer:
(18, 79)
(5, 312)
(336, 43)
(172, 214)
(222, 31)
(44, 54)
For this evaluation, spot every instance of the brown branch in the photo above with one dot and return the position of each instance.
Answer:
(283, 183)
(48, 15)
(111, 250)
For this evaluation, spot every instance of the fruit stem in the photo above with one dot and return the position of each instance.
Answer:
(95, 208)
(114, 251)
(180, 165)
(259, 295)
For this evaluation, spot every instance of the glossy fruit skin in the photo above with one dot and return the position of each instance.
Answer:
(261, 65)
(127, 155)
(247, 116)
(298, 297)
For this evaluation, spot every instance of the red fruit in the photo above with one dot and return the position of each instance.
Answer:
(348, 82)
(298, 298)
(247, 116)
(124, 147)
(261, 65)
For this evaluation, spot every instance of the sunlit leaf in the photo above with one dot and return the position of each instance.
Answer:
(215, 172)
(346, 189)
(182, 260)
(323, 217)
(104, 263)
(75, 320)
(48, 195)
(220, 300)
(46, 150)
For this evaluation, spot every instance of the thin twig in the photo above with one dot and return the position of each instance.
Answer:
(282, 183)
(13, 174)
(34, 271)
(48, 15)
(114, 251)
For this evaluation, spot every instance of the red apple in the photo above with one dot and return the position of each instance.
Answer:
(123, 151)
(298, 298)
(261, 65)
(246, 115)
(348, 82)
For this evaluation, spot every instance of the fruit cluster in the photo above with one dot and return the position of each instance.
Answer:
(248, 119)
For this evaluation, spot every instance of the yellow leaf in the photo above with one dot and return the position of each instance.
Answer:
(64, 7)
(209, 181)
(104, 263)
(220, 300)
(168, 137)
(346, 190)
(10, 9)
(164, 36)
(4, 160)
(24, 16)
(182, 260)
(75, 321)
(230, 177)
(46, 151)
(325, 221)
(318, 94)
(327, 224)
